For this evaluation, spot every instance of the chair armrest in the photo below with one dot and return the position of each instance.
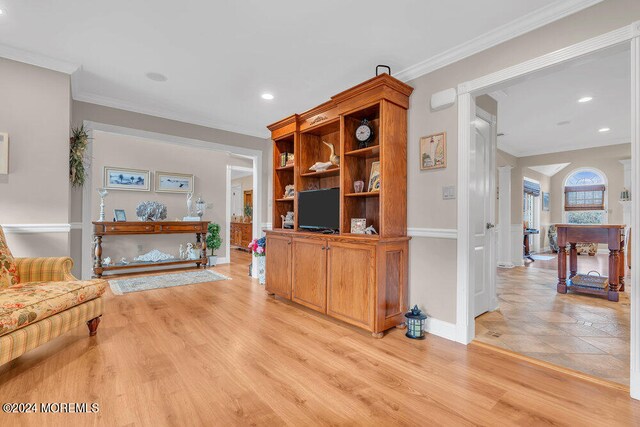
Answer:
(45, 269)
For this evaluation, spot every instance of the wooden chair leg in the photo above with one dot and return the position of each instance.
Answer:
(93, 326)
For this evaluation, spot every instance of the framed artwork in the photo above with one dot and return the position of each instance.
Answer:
(167, 182)
(119, 215)
(433, 151)
(358, 225)
(126, 179)
(374, 177)
(4, 153)
(546, 198)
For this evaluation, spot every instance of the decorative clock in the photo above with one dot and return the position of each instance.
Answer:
(364, 134)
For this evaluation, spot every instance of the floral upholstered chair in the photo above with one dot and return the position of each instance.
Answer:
(40, 300)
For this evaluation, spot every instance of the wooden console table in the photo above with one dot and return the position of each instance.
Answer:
(612, 235)
(128, 228)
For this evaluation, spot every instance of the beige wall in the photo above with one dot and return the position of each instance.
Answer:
(246, 182)
(209, 182)
(427, 209)
(35, 112)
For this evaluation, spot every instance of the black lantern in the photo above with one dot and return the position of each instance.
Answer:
(415, 323)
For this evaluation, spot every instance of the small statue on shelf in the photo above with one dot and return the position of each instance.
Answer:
(370, 230)
(287, 221)
(289, 192)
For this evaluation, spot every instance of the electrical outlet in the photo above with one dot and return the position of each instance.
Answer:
(449, 192)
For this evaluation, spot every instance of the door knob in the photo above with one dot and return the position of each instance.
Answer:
(490, 226)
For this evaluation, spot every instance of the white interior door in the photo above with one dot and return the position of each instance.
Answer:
(482, 216)
(236, 200)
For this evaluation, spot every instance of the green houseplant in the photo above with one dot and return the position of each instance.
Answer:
(214, 241)
(77, 156)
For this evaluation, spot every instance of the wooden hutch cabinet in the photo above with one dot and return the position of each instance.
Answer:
(357, 278)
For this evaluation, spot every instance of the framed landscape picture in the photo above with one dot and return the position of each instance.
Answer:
(126, 179)
(4, 153)
(167, 182)
(433, 151)
(545, 201)
(374, 177)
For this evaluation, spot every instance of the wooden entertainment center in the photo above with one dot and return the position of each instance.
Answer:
(358, 278)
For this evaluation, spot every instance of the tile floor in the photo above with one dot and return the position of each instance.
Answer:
(581, 332)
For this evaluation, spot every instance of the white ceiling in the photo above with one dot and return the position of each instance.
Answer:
(219, 56)
(533, 113)
(549, 170)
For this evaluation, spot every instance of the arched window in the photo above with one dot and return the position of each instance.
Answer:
(585, 197)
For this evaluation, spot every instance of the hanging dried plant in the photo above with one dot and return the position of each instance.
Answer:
(77, 157)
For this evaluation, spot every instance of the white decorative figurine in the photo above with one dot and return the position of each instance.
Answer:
(189, 204)
(181, 251)
(103, 193)
(153, 256)
(191, 253)
(106, 262)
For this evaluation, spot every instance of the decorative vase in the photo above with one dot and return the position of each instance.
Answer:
(262, 262)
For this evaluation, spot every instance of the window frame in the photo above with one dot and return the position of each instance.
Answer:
(605, 210)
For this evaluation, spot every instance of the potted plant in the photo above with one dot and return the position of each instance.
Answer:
(248, 213)
(214, 241)
(258, 249)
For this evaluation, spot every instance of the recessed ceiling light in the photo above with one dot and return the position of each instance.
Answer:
(156, 77)
(585, 99)
(1, 11)
(604, 130)
(267, 96)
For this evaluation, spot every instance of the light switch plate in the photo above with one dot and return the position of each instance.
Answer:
(449, 192)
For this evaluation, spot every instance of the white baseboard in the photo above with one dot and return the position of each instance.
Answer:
(505, 265)
(36, 228)
(441, 328)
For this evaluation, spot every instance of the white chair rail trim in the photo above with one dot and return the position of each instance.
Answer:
(37, 228)
(437, 233)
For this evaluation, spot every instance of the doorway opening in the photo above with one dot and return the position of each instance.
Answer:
(563, 149)
(241, 212)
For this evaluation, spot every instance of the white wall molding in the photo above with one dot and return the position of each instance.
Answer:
(36, 228)
(635, 209)
(437, 233)
(586, 47)
(164, 112)
(266, 226)
(501, 34)
(440, 328)
(37, 59)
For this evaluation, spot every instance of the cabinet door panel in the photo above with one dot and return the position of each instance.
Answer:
(309, 280)
(350, 290)
(278, 268)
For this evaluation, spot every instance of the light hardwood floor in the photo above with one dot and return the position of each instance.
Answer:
(576, 331)
(224, 353)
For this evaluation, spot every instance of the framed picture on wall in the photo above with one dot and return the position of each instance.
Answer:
(126, 179)
(433, 151)
(4, 153)
(167, 182)
(546, 198)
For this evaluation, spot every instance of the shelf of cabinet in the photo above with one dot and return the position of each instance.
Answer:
(328, 172)
(371, 151)
(364, 194)
(288, 199)
(285, 168)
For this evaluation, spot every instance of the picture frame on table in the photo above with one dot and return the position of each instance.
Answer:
(168, 182)
(433, 151)
(115, 178)
(119, 215)
(358, 225)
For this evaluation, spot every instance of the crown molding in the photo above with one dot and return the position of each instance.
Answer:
(165, 113)
(533, 151)
(37, 59)
(501, 34)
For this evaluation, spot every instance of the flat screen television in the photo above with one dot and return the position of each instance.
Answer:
(319, 209)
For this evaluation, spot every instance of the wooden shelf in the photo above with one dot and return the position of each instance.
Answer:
(288, 199)
(328, 172)
(361, 236)
(364, 194)
(285, 168)
(371, 151)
